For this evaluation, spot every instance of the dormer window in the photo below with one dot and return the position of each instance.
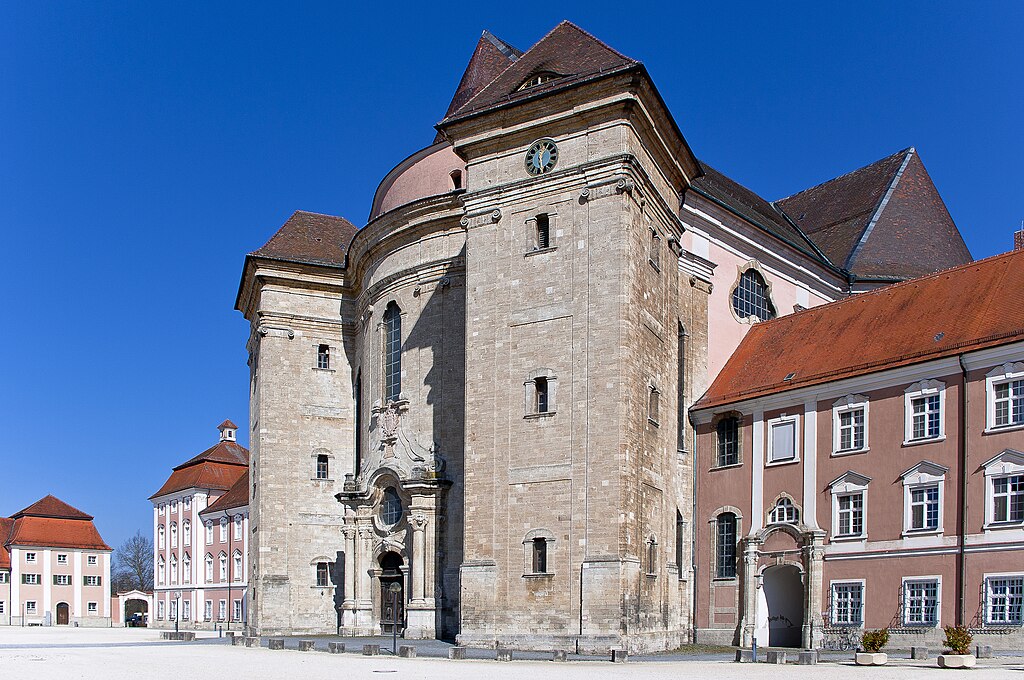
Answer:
(539, 78)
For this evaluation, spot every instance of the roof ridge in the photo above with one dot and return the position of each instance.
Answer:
(597, 40)
(909, 149)
(877, 214)
(509, 50)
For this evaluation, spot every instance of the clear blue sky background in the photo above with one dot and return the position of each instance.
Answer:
(146, 147)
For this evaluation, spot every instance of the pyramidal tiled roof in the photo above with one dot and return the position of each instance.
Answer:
(310, 237)
(491, 56)
(236, 496)
(568, 51)
(51, 506)
(884, 220)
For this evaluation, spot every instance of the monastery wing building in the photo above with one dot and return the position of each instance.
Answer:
(469, 416)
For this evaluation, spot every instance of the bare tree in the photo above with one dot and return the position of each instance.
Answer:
(133, 564)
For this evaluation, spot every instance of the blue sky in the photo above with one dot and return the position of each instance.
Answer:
(145, 148)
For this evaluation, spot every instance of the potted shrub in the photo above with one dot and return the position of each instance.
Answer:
(872, 642)
(958, 642)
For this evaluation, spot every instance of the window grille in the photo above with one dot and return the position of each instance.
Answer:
(725, 550)
(920, 603)
(392, 353)
(847, 606)
(391, 507)
(1005, 601)
(750, 297)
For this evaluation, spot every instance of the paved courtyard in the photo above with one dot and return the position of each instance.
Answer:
(105, 654)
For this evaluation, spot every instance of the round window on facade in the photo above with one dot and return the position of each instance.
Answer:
(391, 507)
(750, 297)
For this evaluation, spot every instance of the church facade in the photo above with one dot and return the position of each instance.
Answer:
(469, 416)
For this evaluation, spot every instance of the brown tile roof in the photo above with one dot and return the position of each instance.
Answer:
(236, 497)
(310, 237)
(741, 200)
(885, 220)
(568, 51)
(491, 56)
(231, 453)
(56, 532)
(6, 525)
(51, 506)
(958, 310)
(227, 424)
(205, 475)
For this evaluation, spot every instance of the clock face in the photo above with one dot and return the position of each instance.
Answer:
(541, 157)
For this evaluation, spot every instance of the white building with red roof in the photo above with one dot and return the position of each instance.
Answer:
(54, 567)
(200, 539)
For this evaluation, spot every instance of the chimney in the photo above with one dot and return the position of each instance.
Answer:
(1018, 237)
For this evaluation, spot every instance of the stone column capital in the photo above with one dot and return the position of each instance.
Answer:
(418, 522)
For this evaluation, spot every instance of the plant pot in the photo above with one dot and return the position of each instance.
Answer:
(871, 658)
(957, 661)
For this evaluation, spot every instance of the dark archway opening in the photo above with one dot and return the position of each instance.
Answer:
(392, 594)
(784, 594)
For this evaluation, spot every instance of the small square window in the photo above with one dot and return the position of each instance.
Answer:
(30, 557)
(91, 560)
(30, 607)
(93, 607)
(323, 575)
(62, 558)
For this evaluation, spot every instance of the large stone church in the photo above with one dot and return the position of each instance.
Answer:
(469, 415)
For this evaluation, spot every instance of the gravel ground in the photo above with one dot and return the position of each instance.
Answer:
(106, 654)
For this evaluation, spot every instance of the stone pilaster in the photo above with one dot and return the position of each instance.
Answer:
(748, 616)
(814, 558)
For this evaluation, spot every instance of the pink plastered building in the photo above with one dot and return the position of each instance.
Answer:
(201, 539)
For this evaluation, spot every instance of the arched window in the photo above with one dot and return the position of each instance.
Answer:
(456, 176)
(750, 297)
(174, 534)
(728, 441)
(238, 565)
(725, 548)
(223, 568)
(174, 568)
(161, 536)
(209, 568)
(186, 532)
(392, 352)
(784, 512)
(223, 529)
(186, 569)
(391, 507)
(160, 569)
(238, 527)
(209, 532)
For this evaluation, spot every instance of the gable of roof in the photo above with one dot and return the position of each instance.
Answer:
(51, 506)
(751, 207)
(6, 525)
(490, 58)
(885, 220)
(311, 238)
(943, 314)
(236, 497)
(567, 51)
(56, 532)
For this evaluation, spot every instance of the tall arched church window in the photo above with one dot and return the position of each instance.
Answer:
(392, 352)
(750, 297)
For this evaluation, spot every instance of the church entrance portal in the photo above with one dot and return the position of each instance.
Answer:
(62, 614)
(783, 597)
(392, 594)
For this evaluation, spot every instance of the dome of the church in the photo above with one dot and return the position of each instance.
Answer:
(428, 172)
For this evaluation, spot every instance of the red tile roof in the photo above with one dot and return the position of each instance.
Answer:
(205, 475)
(310, 237)
(51, 506)
(56, 532)
(958, 310)
(231, 453)
(236, 497)
(491, 56)
(885, 220)
(227, 424)
(6, 525)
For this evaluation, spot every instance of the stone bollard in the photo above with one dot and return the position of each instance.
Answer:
(559, 655)
(775, 656)
(237, 640)
(619, 656)
(252, 641)
(371, 650)
(503, 654)
(918, 652)
(306, 645)
(983, 651)
(808, 657)
(188, 636)
(407, 652)
(744, 656)
(275, 643)
(457, 653)
(336, 647)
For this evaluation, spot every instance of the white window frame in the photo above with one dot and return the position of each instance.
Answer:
(833, 601)
(159, 610)
(186, 503)
(770, 440)
(924, 388)
(160, 509)
(62, 579)
(91, 560)
(1008, 372)
(238, 527)
(237, 610)
(777, 504)
(848, 404)
(223, 529)
(161, 569)
(222, 610)
(30, 558)
(30, 607)
(186, 568)
(922, 476)
(174, 534)
(1008, 463)
(93, 581)
(93, 607)
(186, 610)
(222, 570)
(849, 483)
(161, 535)
(208, 611)
(208, 567)
(988, 599)
(3, 607)
(32, 579)
(237, 565)
(62, 558)
(174, 506)
(209, 531)
(904, 615)
(5, 577)
(186, 533)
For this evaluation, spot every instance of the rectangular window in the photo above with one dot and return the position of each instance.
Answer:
(847, 604)
(161, 508)
(851, 514)
(322, 467)
(222, 610)
(3, 607)
(223, 529)
(62, 558)
(655, 254)
(1005, 596)
(925, 417)
(1009, 403)
(924, 508)
(238, 527)
(323, 357)
(540, 556)
(208, 610)
(209, 532)
(322, 575)
(238, 610)
(30, 579)
(543, 231)
(186, 610)
(5, 576)
(160, 610)
(186, 502)
(93, 607)
(92, 580)
(30, 557)
(921, 603)
(62, 579)
(728, 441)
(30, 607)
(783, 441)
(541, 401)
(851, 430)
(91, 560)
(1008, 499)
(174, 506)
(725, 550)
